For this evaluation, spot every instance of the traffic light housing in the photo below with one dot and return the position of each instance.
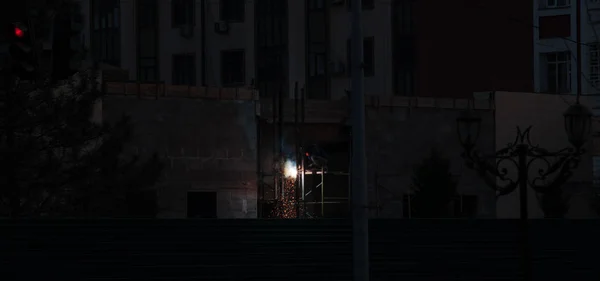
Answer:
(21, 51)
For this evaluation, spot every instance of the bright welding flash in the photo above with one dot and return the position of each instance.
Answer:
(290, 170)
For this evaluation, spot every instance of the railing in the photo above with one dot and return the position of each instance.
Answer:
(157, 90)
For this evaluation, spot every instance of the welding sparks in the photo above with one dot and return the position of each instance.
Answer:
(287, 203)
(289, 170)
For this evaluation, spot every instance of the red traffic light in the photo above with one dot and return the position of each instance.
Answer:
(19, 32)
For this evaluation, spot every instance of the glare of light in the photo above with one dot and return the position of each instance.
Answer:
(19, 32)
(289, 169)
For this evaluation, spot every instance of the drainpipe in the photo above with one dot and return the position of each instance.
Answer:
(203, 41)
(578, 40)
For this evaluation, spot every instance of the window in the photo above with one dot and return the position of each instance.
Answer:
(317, 63)
(596, 170)
(558, 68)
(404, 82)
(233, 65)
(202, 205)
(465, 206)
(316, 5)
(402, 14)
(557, 3)
(271, 42)
(147, 40)
(184, 69)
(366, 4)
(105, 31)
(232, 10)
(594, 76)
(182, 12)
(368, 56)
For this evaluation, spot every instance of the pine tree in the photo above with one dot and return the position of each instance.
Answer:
(554, 203)
(434, 187)
(56, 161)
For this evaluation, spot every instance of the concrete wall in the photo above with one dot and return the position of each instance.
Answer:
(376, 23)
(207, 145)
(545, 114)
(400, 133)
(589, 34)
(400, 138)
(241, 36)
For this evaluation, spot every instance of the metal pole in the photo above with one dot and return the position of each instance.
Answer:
(360, 214)
(281, 158)
(376, 180)
(524, 216)
(297, 148)
(302, 148)
(578, 62)
(275, 173)
(322, 192)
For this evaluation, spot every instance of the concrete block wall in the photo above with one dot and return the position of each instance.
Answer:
(207, 145)
(398, 138)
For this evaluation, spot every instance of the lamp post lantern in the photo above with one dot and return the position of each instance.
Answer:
(557, 166)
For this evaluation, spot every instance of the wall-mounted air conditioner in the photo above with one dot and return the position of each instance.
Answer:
(222, 27)
(337, 68)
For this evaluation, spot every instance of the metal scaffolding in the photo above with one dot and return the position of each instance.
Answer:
(321, 187)
(302, 188)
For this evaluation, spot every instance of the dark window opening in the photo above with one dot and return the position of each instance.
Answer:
(316, 5)
(148, 69)
(404, 83)
(317, 61)
(233, 65)
(184, 69)
(182, 12)
(147, 40)
(402, 16)
(554, 26)
(105, 29)
(232, 10)
(271, 46)
(366, 4)
(202, 205)
(368, 56)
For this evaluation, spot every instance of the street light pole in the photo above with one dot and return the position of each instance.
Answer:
(360, 211)
(522, 150)
(549, 178)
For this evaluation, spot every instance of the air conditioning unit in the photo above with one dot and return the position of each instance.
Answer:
(186, 31)
(337, 68)
(222, 27)
(338, 2)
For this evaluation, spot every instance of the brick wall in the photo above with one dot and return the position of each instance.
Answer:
(208, 145)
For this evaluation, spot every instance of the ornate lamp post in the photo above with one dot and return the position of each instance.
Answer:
(522, 154)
